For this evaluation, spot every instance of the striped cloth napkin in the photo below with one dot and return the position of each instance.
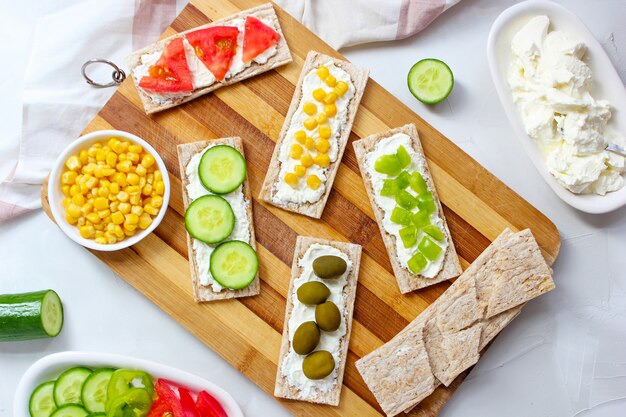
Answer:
(57, 103)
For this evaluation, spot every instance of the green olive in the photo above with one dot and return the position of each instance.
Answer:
(306, 338)
(327, 316)
(313, 292)
(318, 365)
(329, 266)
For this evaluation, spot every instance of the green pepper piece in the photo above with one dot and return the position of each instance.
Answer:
(390, 188)
(426, 203)
(418, 184)
(433, 231)
(429, 248)
(417, 263)
(403, 180)
(388, 164)
(406, 200)
(124, 380)
(409, 236)
(135, 403)
(421, 219)
(403, 156)
(401, 216)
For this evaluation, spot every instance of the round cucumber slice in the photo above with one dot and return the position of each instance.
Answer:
(210, 219)
(51, 313)
(94, 392)
(69, 385)
(41, 402)
(430, 80)
(70, 410)
(222, 169)
(234, 264)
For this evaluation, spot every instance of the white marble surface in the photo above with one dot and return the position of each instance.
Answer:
(564, 355)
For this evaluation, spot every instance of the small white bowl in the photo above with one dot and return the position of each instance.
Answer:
(55, 195)
(606, 85)
(51, 366)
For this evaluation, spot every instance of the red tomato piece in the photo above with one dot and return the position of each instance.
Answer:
(187, 402)
(169, 400)
(257, 37)
(158, 408)
(208, 406)
(171, 72)
(215, 46)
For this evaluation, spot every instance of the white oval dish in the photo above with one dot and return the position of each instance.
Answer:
(606, 85)
(55, 195)
(49, 367)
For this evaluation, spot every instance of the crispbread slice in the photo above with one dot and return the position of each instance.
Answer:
(407, 281)
(359, 78)
(205, 293)
(282, 56)
(331, 397)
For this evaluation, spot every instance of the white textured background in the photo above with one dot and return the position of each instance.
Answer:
(564, 355)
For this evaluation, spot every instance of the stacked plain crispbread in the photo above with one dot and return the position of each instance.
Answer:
(447, 337)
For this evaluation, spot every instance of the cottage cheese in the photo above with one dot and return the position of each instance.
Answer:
(285, 193)
(329, 341)
(389, 146)
(241, 231)
(550, 84)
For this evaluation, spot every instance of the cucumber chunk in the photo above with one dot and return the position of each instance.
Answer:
(210, 219)
(94, 392)
(222, 169)
(31, 315)
(69, 385)
(234, 264)
(70, 410)
(430, 81)
(41, 402)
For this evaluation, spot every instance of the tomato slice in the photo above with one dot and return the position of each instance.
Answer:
(215, 46)
(187, 402)
(171, 72)
(208, 406)
(257, 37)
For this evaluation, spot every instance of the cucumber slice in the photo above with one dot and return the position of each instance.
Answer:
(234, 264)
(69, 385)
(31, 315)
(70, 410)
(222, 169)
(41, 402)
(430, 81)
(210, 219)
(94, 392)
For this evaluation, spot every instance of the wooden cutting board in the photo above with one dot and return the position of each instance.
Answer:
(247, 332)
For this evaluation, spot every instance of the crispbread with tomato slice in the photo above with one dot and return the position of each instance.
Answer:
(281, 57)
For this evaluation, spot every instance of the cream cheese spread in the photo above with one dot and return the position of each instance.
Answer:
(241, 231)
(329, 341)
(389, 146)
(201, 76)
(550, 83)
(285, 193)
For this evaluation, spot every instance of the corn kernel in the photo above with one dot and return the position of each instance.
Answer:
(65, 189)
(142, 182)
(110, 237)
(309, 108)
(324, 131)
(122, 196)
(300, 136)
(145, 221)
(87, 232)
(132, 156)
(84, 189)
(147, 189)
(74, 189)
(134, 199)
(100, 203)
(306, 160)
(113, 206)
(103, 214)
(133, 189)
(100, 155)
(299, 170)
(150, 209)
(119, 232)
(68, 177)
(330, 110)
(119, 147)
(159, 187)
(291, 179)
(330, 98)
(310, 123)
(322, 72)
(78, 199)
(124, 166)
(81, 221)
(107, 171)
(313, 182)
(93, 217)
(103, 192)
(341, 88)
(141, 170)
(137, 210)
(73, 163)
(99, 233)
(132, 178)
(92, 151)
(124, 208)
(157, 201)
(129, 233)
(320, 118)
(131, 227)
(117, 217)
(112, 197)
(73, 210)
(135, 148)
(89, 168)
(114, 188)
(322, 160)
(330, 81)
(296, 151)
(83, 157)
(322, 145)
(101, 240)
(309, 143)
(66, 202)
(91, 182)
(121, 157)
(86, 209)
(158, 176)
(319, 94)
(131, 218)
(70, 219)
(147, 161)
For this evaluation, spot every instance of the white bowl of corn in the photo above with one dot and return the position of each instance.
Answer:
(108, 190)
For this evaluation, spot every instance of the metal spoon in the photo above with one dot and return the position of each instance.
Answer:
(611, 147)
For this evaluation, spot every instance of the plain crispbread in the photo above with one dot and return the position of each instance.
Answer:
(407, 281)
(201, 292)
(282, 56)
(359, 78)
(453, 330)
(331, 397)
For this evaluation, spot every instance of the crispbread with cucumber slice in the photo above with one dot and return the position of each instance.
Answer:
(201, 292)
(407, 281)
